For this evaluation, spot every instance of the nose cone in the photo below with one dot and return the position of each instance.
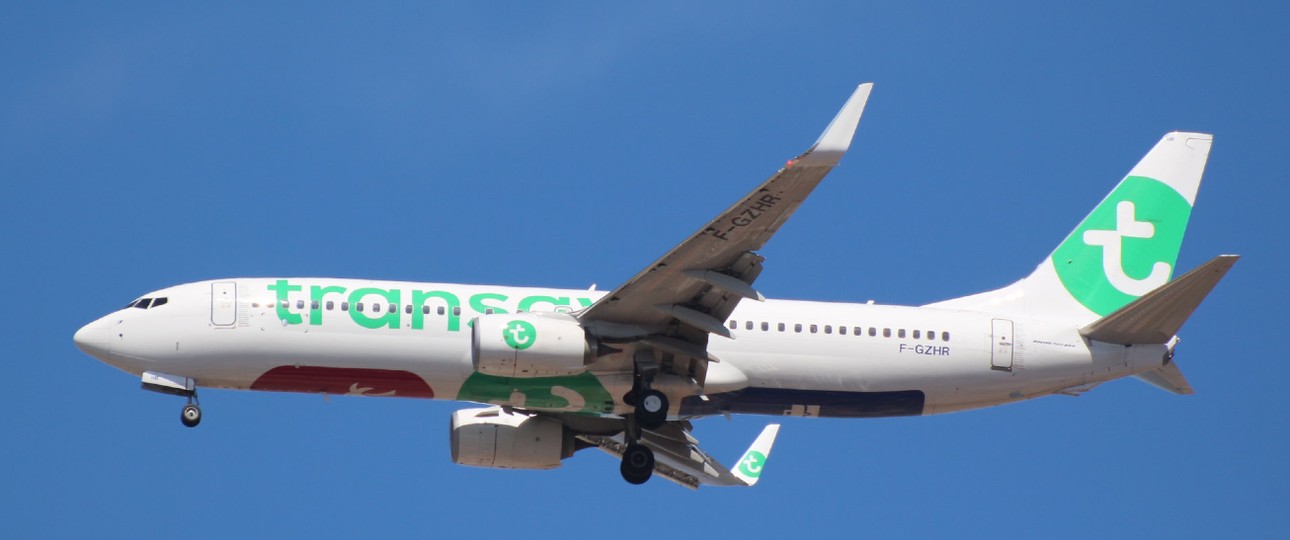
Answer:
(93, 339)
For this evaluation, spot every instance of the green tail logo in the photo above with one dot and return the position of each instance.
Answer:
(1126, 247)
(752, 463)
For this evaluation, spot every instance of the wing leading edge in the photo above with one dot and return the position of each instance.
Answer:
(689, 292)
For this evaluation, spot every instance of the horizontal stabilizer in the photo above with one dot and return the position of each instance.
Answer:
(1167, 377)
(1156, 317)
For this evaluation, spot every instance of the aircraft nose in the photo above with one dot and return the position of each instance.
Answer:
(93, 339)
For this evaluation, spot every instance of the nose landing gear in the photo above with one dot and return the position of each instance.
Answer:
(176, 385)
(191, 415)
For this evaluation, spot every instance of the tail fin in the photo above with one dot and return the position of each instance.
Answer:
(1124, 248)
(749, 467)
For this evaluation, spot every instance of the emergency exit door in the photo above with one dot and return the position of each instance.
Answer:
(1001, 351)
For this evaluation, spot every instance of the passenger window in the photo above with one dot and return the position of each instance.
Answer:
(330, 305)
(407, 309)
(748, 325)
(285, 305)
(440, 310)
(488, 311)
(344, 306)
(359, 307)
(886, 332)
(734, 325)
(931, 335)
(916, 334)
(425, 310)
(828, 329)
(393, 309)
(814, 328)
(160, 301)
(313, 305)
(782, 327)
(858, 330)
(900, 333)
(300, 304)
(456, 311)
(945, 336)
(797, 328)
(253, 304)
(873, 331)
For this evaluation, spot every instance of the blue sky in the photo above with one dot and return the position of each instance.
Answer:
(563, 145)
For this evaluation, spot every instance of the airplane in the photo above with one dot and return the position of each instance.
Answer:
(628, 370)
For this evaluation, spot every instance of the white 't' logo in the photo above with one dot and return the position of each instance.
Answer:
(1112, 252)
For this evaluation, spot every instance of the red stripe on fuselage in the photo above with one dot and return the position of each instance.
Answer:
(343, 381)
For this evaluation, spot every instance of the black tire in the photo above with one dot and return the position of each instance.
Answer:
(191, 415)
(651, 409)
(638, 464)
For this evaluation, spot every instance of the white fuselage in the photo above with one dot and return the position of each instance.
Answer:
(786, 357)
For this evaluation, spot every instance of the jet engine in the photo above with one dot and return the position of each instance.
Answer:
(530, 345)
(492, 437)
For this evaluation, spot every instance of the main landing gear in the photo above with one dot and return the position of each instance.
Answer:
(638, 464)
(651, 413)
(651, 409)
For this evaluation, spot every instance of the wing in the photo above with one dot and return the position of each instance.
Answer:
(676, 302)
(679, 459)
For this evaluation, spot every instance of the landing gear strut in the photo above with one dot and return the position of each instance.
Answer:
(191, 415)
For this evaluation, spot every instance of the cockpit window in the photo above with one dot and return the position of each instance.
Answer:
(147, 303)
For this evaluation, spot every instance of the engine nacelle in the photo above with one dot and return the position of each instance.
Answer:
(529, 345)
(492, 437)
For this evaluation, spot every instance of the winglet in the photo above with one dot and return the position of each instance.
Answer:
(749, 467)
(835, 140)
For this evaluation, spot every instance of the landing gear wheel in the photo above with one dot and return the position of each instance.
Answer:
(651, 409)
(191, 415)
(638, 464)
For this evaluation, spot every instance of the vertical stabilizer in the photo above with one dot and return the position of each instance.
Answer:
(1126, 247)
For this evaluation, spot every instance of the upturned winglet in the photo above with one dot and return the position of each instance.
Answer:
(748, 469)
(835, 140)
